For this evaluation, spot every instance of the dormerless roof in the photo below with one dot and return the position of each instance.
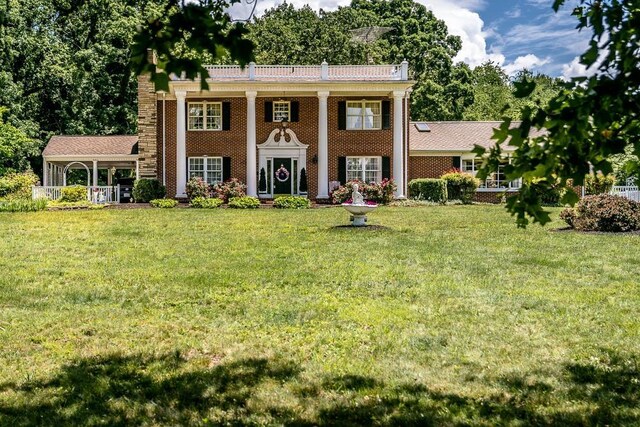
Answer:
(456, 136)
(79, 145)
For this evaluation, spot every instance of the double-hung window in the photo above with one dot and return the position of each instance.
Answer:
(364, 115)
(207, 168)
(205, 116)
(281, 111)
(367, 169)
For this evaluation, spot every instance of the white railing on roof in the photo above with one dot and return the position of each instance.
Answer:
(100, 194)
(321, 72)
(630, 192)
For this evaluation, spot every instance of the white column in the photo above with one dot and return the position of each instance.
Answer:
(138, 170)
(323, 147)
(109, 177)
(181, 151)
(95, 173)
(45, 172)
(251, 144)
(398, 160)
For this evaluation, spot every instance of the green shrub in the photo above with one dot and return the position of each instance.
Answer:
(163, 203)
(244, 202)
(197, 187)
(291, 202)
(460, 186)
(434, 190)
(74, 193)
(598, 183)
(603, 212)
(205, 203)
(23, 205)
(145, 190)
(17, 185)
(230, 189)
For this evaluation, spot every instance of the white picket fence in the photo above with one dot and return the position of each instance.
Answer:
(631, 192)
(100, 194)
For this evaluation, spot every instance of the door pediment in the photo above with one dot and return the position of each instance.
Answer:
(283, 138)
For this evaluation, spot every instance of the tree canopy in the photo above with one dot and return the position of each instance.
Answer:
(588, 122)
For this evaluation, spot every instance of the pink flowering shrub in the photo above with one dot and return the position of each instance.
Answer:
(373, 193)
(231, 188)
(197, 187)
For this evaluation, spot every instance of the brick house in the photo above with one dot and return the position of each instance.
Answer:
(269, 125)
(266, 124)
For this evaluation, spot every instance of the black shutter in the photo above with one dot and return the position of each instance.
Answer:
(386, 114)
(226, 168)
(226, 116)
(456, 162)
(295, 111)
(342, 115)
(268, 111)
(386, 167)
(342, 170)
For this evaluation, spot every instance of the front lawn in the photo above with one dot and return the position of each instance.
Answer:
(446, 315)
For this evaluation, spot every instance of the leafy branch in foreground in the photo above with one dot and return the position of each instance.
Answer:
(202, 27)
(588, 122)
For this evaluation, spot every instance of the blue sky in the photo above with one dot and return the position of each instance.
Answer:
(516, 34)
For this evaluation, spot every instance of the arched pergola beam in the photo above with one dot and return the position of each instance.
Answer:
(66, 168)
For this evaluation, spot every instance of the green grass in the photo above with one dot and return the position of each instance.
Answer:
(445, 315)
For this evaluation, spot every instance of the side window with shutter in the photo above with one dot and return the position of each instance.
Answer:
(386, 114)
(342, 115)
(295, 111)
(268, 111)
(226, 116)
(226, 168)
(342, 170)
(386, 167)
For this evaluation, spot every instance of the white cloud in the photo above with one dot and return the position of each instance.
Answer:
(529, 62)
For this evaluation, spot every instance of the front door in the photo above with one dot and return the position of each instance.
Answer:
(282, 176)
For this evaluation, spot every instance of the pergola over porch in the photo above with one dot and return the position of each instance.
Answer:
(91, 153)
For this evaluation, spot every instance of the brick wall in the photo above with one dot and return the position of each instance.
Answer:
(233, 143)
(429, 166)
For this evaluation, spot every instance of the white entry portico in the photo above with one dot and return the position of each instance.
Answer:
(282, 143)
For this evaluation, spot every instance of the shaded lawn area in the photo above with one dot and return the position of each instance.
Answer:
(446, 315)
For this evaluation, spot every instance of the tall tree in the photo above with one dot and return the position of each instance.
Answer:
(588, 122)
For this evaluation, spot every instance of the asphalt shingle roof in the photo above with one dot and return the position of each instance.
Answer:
(455, 136)
(78, 145)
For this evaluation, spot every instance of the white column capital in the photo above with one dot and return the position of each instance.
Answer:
(323, 94)
(398, 94)
(251, 94)
(180, 94)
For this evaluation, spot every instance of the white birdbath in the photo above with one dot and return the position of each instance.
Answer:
(358, 208)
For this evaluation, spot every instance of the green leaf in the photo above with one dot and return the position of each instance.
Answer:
(524, 88)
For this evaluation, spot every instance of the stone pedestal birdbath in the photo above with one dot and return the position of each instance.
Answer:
(358, 208)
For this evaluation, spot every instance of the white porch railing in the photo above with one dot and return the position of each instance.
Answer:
(100, 194)
(393, 72)
(631, 192)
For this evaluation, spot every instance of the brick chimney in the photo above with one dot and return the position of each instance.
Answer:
(147, 124)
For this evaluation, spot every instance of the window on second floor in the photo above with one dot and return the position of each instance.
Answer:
(364, 115)
(205, 116)
(281, 111)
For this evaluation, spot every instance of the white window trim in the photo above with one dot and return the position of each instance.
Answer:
(361, 158)
(363, 114)
(205, 158)
(204, 117)
(511, 185)
(273, 112)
